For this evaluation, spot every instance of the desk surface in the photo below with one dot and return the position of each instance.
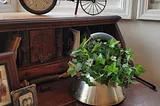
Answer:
(136, 95)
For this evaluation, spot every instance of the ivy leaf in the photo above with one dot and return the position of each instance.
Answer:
(129, 54)
(76, 51)
(117, 80)
(105, 68)
(84, 40)
(79, 66)
(130, 71)
(95, 47)
(100, 59)
(139, 69)
(71, 70)
(113, 68)
(129, 51)
(113, 42)
(98, 78)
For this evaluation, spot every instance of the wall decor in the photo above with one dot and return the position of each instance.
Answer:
(148, 10)
(8, 77)
(122, 8)
(26, 96)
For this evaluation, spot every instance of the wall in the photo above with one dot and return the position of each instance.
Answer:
(143, 38)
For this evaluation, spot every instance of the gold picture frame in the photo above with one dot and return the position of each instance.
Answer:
(8, 78)
(26, 96)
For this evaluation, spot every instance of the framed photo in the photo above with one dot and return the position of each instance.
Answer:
(8, 77)
(26, 96)
(148, 9)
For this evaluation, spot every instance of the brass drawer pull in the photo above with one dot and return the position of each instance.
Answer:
(27, 74)
(62, 66)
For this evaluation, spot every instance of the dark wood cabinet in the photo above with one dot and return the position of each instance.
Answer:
(45, 42)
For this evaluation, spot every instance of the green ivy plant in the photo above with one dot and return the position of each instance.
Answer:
(104, 61)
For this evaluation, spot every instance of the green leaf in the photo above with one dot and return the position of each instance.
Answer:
(139, 69)
(84, 40)
(98, 78)
(129, 71)
(129, 54)
(95, 47)
(105, 68)
(100, 59)
(76, 51)
(79, 66)
(113, 42)
(112, 68)
(71, 70)
(117, 80)
(129, 51)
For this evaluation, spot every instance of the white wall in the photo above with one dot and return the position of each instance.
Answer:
(143, 37)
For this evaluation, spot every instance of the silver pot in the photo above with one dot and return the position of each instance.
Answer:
(100, 95)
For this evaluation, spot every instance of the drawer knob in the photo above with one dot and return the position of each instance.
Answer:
(27, 74)
(62, 66)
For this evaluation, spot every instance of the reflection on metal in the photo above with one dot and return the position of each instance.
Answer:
(4, 1)
(100, 95)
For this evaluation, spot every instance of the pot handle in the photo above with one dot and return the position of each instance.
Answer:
(101, 35)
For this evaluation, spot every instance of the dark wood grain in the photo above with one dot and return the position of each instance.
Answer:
(43, 70)
(141, 95)
(136, 95)
(59, 95)
(55, 22)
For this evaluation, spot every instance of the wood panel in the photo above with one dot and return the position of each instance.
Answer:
(43, 70)
(42, 45)
(54, 22)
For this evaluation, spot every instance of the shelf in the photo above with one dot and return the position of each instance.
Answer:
(59, 96)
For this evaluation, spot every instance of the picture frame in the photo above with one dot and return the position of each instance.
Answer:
(145, 13)
(26, 96)
(122, 8)
(8, 77)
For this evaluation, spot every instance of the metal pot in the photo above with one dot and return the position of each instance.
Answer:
(100, 94)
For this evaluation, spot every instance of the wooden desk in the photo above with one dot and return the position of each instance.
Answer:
(136, 95)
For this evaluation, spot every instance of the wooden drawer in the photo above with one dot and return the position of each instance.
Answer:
(43, 70)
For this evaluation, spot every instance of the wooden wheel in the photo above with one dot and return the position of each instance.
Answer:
(93, 7)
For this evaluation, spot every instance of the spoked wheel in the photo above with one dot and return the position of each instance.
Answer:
(93, 7)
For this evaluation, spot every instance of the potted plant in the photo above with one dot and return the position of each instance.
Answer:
(101, 64)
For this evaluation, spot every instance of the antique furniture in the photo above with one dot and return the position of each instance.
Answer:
(45, 45)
